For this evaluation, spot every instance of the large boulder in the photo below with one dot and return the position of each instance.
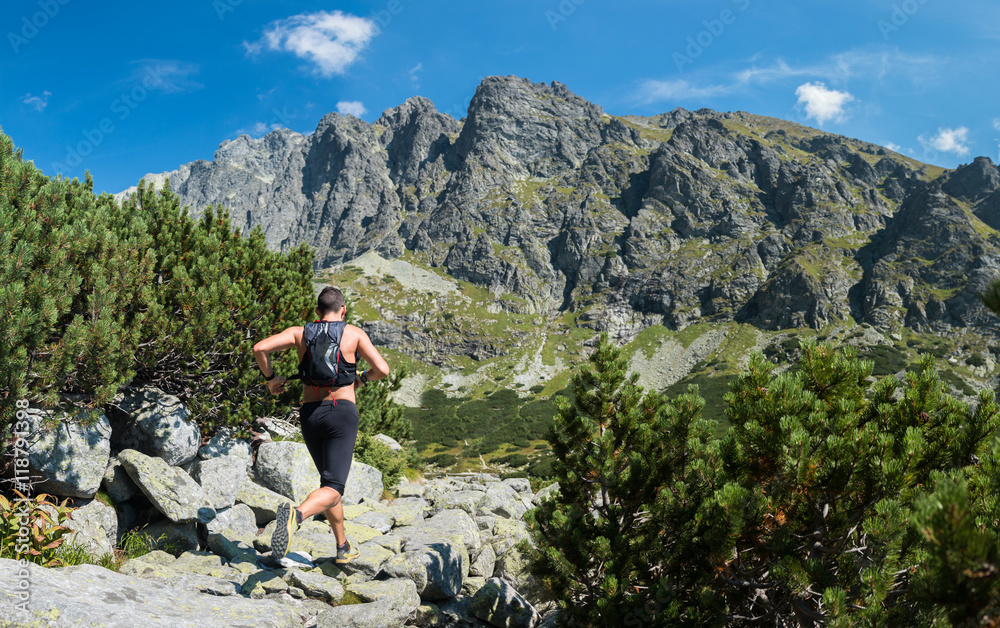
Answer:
(286, 468)
(68, 448)
(86, 595)
(156, 424)
(171, 491)
(220, 478)
(364, 483)
(500, 605)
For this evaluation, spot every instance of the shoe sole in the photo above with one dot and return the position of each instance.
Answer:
(347, 559)
(282, 531)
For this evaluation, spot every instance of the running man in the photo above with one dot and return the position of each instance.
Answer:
(329, 416)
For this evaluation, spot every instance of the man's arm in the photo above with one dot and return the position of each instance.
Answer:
(379, 367)
(278, 342)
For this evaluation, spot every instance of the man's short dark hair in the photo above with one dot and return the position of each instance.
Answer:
(330, 300)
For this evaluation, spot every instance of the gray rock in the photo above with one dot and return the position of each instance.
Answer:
(262, 501)
(117, 483)
(370, 561)
(171, 491)
(410, 489)
(435, 569)
(95, 526)
(68, 457)
(389, 441)
(364, 483)
(378, 520)
(369, 615)
(286, 468)
(315, 584)
(237, 522)
(192, 582)
(512, 568)
(467, 500)
(263, 582)
(85, 594)
(500, 605)
(520, 485)
(156, 424)
(502, 500)
(507, 533)
(220, 478)
(483, 562)
(225, 444)
(240, 555)
(408, 510)
(401, 593)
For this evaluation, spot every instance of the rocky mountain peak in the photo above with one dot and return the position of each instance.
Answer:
(551, 204)
(974, 180)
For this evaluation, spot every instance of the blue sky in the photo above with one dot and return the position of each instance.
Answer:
(126, 88)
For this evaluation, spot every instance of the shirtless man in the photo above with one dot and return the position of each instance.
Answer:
(329, 416)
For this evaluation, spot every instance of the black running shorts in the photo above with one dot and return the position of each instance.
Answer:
(330, 428)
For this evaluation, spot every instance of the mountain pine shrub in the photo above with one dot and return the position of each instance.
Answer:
(834, 499)
(99, 295)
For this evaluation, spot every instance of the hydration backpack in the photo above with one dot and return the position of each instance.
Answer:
(319, 365)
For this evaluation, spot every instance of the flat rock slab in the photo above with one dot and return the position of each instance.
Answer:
(370, 615)
(170, 489)
(88, 595)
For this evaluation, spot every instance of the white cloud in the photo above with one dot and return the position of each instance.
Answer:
(679, 89)
(351, 107)
(996, 123)
(949, 141)
(822, 104)
(331, 40)
(414, 70)
(39, 103)
(894, 147)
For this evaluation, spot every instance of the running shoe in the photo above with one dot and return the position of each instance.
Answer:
(284, 530)
(346, 553)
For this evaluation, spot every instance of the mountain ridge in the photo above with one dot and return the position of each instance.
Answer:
(552, 205)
